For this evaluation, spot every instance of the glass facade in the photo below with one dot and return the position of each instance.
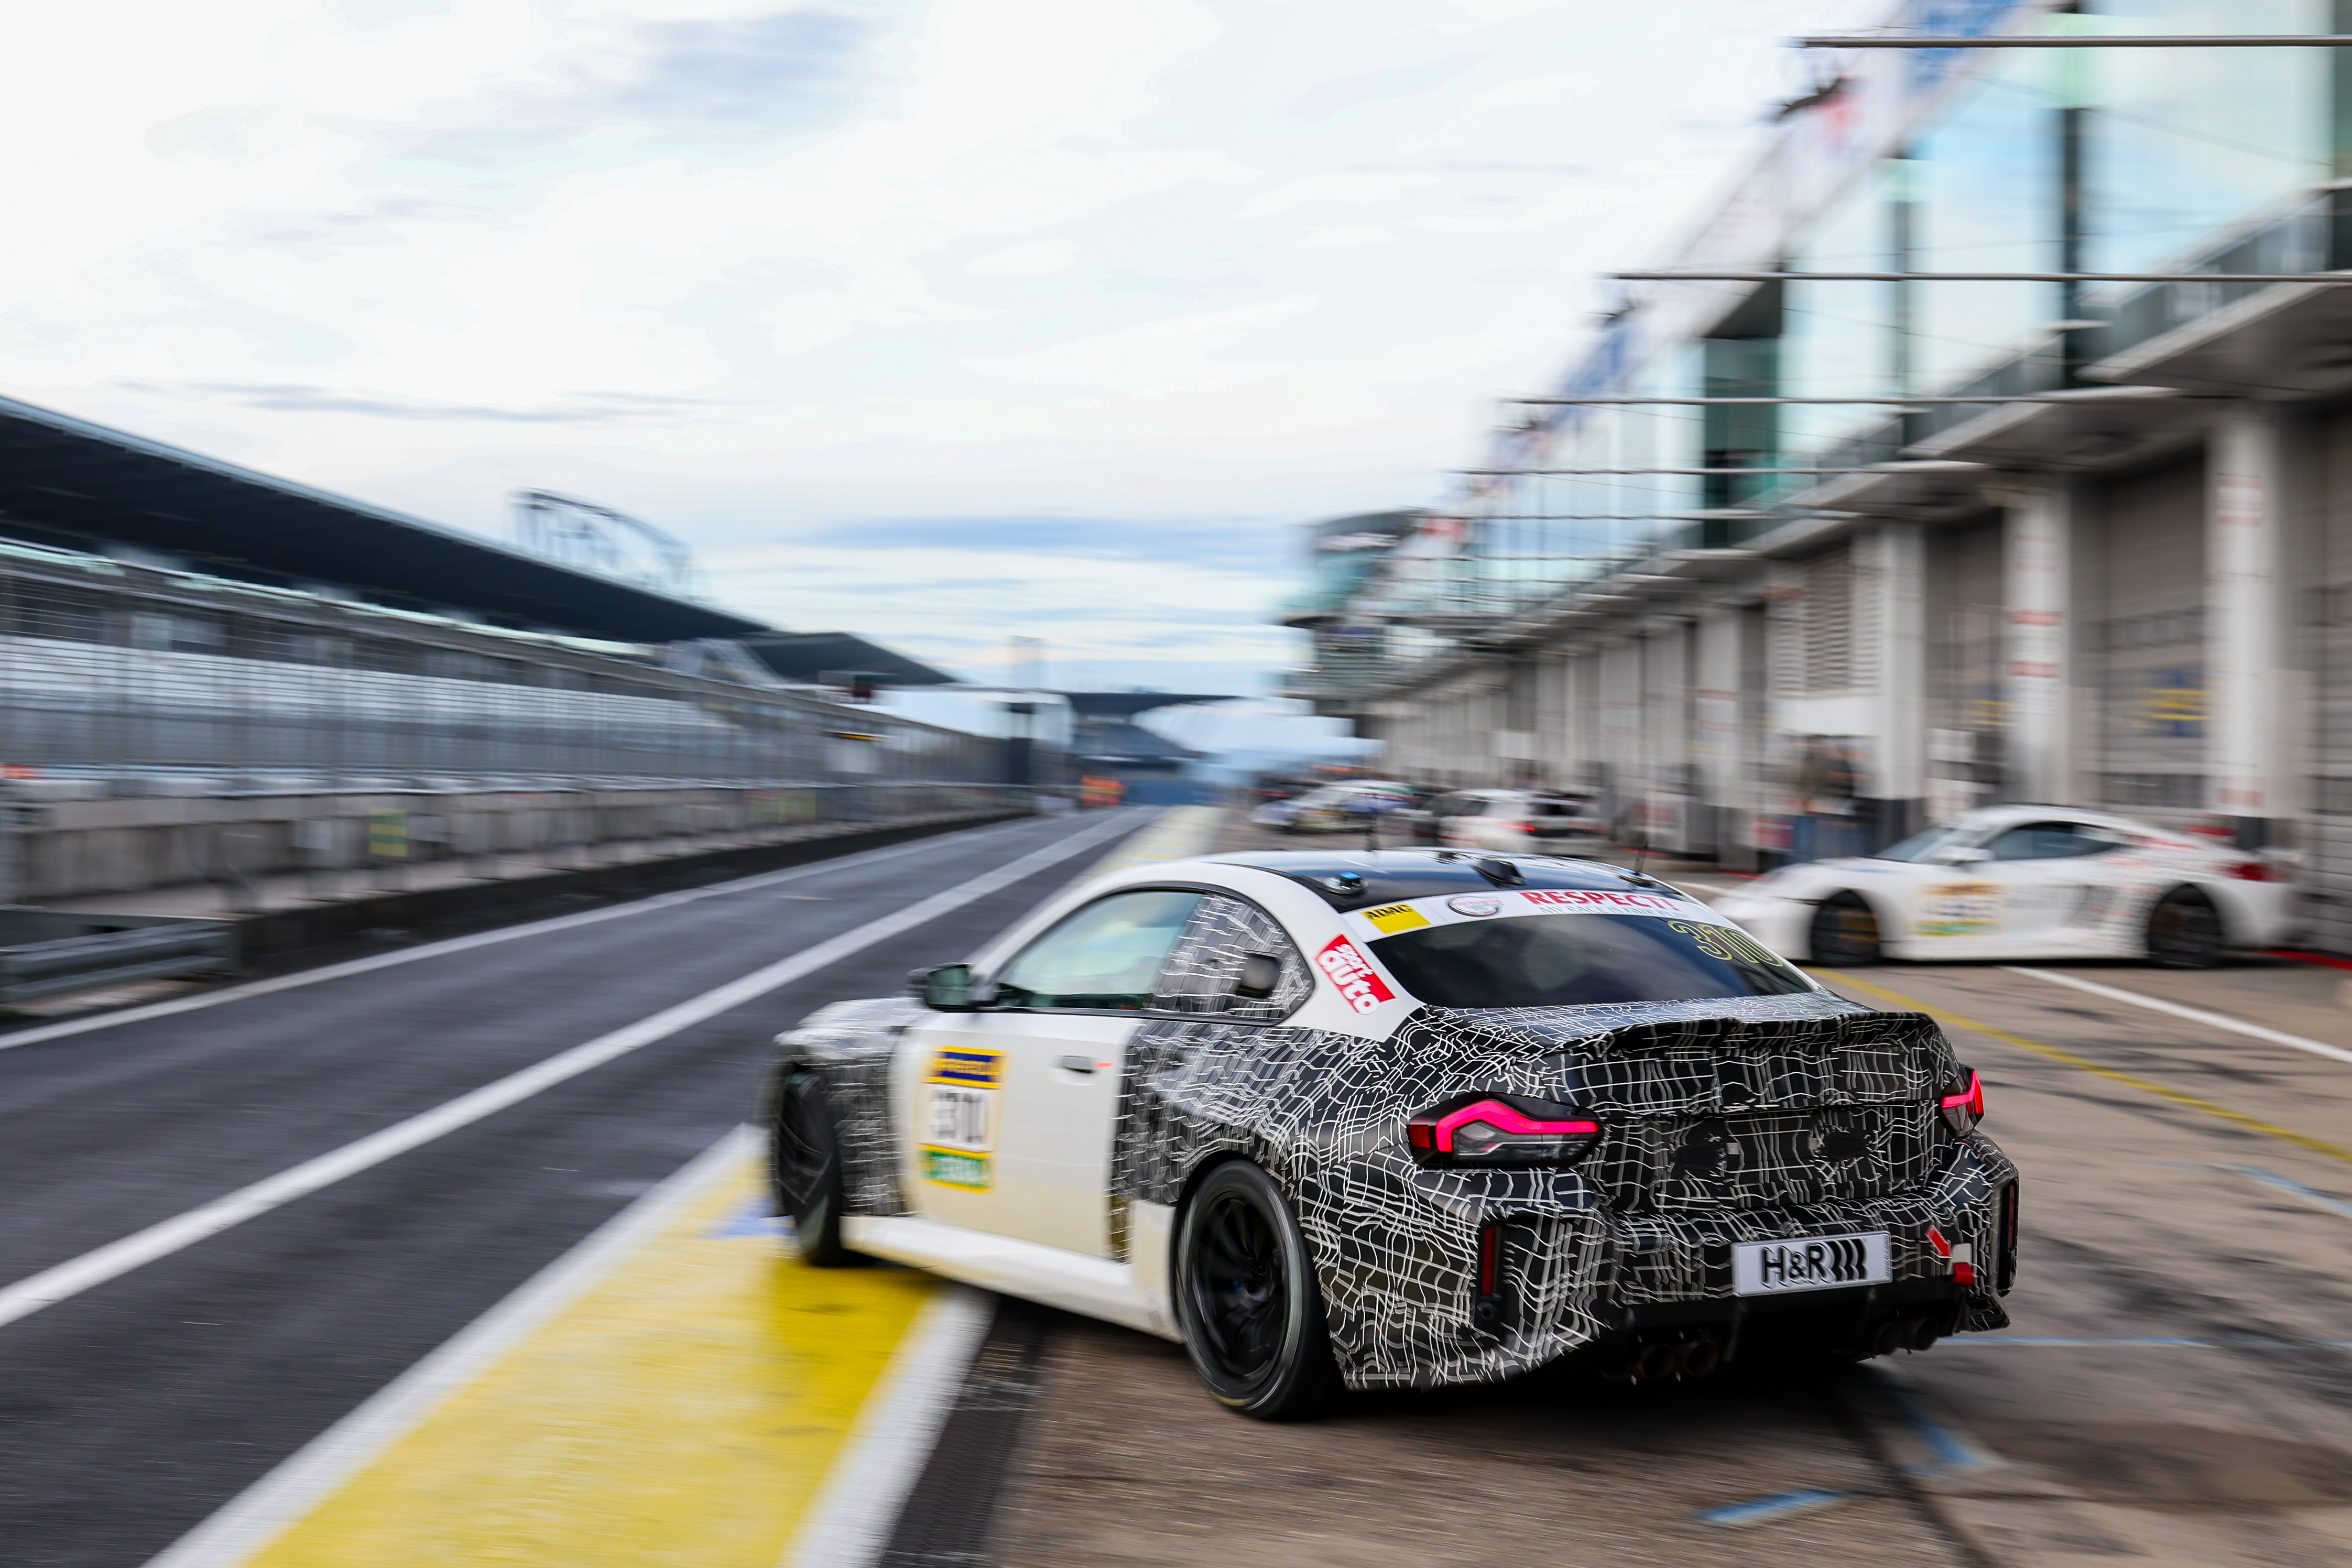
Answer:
(2178, 143)
(1943, 161)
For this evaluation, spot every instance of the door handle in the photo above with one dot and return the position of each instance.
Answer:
(1076, 1064)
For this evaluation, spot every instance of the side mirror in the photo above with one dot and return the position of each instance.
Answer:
(1260, 973)
(946, 988)
(1962, 856)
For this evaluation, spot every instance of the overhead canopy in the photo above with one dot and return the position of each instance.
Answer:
(1128, 704)
(65, 477)
(814, 656)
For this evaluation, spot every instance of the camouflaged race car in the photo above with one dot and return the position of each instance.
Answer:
(1403, 1119)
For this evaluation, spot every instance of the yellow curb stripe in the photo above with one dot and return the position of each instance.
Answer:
(683, 1411)
(2190, 1101)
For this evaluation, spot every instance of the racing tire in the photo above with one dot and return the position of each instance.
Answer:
(1248, 1301)
(804, 1164)
(1844, 931)
(2184, 930)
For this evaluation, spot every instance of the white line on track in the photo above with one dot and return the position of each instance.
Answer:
(2194, 1014)
(287, 1494)
(484, 939)
(51, 1286)
(850, 1519)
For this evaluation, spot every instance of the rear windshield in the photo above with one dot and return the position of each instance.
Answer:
(1575, 960)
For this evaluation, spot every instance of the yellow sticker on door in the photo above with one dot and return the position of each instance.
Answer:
(966, 1097)
(1961, 908)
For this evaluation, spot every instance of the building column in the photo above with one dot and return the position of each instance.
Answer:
(2248, 623)
(1895, 644)
(1716, 749)
(2037, 559)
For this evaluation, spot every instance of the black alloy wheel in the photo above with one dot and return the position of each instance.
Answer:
(1248, 1300)
(2184, 930)
(1844, 931)
(804, 1164)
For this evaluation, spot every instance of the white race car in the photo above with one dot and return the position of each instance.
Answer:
(1403, 1119)
(2025, 881)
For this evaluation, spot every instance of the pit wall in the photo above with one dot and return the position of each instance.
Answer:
(54, 849)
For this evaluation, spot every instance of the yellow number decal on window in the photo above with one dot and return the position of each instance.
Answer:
(1723, 942)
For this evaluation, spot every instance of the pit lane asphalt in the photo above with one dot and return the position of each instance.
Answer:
(2176, 1390)
(130, 1412)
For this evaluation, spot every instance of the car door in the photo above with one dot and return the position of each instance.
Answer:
(2050, 871)
(2034, 882)
(1009, 1109)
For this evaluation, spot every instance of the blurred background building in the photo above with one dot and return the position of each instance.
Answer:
(211, 674)
(1808, 626)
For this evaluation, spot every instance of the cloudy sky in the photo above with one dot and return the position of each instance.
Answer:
(943, 320)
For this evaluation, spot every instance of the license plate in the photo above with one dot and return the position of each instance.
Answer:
(1809, 1263)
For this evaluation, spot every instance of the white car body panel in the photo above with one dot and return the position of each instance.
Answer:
(1052, 1161)
(2092, 905)
(1121, 1293)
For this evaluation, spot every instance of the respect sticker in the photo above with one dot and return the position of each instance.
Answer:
(1345, 966)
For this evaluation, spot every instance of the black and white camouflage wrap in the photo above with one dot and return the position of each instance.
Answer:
(1725, 1119)
(1750, 1120)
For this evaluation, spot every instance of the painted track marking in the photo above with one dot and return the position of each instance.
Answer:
(2084, 1064)
(694, 1405)
(851, 1519)
(270, 1505)
(2194, 1014)
(1779, 1505)
(93, 1269)
(482, 939)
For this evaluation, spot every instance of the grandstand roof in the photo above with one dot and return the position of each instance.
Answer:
(66, 481)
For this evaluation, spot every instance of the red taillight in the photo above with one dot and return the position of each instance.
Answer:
(1530, 827)
(1964, 1110)
(1490, 1256)
(2259, 871)
(1490, 1129)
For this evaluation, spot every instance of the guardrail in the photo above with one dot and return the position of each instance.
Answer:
(47, 953)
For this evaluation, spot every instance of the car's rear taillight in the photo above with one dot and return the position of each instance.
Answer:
(1963, 1109)
(1500, 1129)
(2259, 871)
(1530, 827)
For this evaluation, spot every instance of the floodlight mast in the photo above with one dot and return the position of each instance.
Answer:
(580, 533)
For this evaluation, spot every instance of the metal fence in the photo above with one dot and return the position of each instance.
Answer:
(110, 667)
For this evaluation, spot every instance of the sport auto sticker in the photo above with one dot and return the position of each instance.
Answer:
(1351, 974)
(966, 1092)
(1961, 908)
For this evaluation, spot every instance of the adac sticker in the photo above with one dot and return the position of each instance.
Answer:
(1344, 966)
(1394, 918)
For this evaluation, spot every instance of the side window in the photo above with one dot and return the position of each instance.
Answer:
(1107, 955)
(1224, 932)
(1470, 806)
(2048, 841)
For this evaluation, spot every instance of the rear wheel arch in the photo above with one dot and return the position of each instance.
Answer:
(2187, 927)
(1295, 1373)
